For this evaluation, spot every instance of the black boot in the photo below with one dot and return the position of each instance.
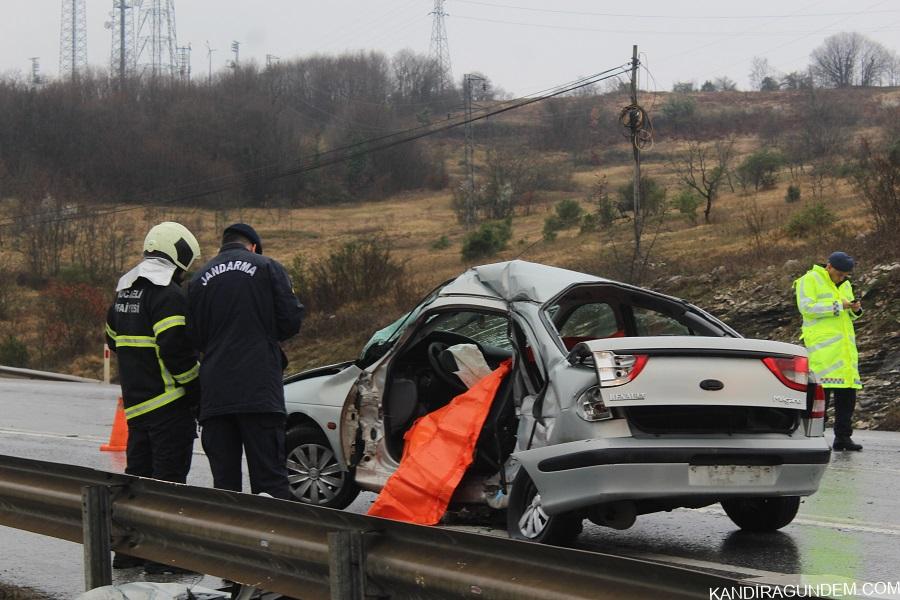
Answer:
(846, 443)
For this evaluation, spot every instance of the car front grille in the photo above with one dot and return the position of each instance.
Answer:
(712, 419)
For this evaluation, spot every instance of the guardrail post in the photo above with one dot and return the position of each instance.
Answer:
(96, 525)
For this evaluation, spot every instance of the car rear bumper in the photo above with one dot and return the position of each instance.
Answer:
(575, 475)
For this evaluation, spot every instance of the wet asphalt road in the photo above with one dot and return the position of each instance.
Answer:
(850, 528)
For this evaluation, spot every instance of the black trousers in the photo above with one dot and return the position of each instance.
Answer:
(261, 436)
(162, 448)
(844, 405)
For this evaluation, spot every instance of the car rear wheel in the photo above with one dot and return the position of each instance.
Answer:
(762, 514)
(526, 519)
(315, 475)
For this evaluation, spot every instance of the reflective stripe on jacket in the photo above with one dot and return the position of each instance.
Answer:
(145, 327)
(828, 329)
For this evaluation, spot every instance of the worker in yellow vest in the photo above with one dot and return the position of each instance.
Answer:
(828, 307)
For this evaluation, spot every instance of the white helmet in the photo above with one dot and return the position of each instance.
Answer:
(174, 241)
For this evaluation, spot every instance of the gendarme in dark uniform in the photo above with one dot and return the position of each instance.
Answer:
(240, 306)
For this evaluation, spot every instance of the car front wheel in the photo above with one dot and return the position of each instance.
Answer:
(762, 514)
(314, 473)
(526, 519)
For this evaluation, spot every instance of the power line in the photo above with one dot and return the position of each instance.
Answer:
(784, 32)
(272, 172)
(682, 17)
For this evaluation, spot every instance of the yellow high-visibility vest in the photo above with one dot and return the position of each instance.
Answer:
(828, 329)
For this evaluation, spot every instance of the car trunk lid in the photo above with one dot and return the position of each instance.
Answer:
(696, 371)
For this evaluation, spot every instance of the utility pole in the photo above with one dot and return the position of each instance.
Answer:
(469, 149)
(236, 49)
(272, 61)
(634, 118)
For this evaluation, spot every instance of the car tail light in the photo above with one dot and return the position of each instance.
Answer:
(590, 406)
(818, 406)
(618, 369)
(792, 372)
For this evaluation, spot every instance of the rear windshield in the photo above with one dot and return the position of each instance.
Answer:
(597, 311)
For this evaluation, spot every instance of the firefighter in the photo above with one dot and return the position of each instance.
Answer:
(158, 368)
(240, 306)
(828, 307)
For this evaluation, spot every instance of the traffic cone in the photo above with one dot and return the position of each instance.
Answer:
(118, 437)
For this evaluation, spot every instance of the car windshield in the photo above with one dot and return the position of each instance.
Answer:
(383, 339)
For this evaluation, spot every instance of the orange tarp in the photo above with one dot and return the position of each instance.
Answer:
(439, 448)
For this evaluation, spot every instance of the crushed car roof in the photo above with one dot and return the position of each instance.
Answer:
(516, 281)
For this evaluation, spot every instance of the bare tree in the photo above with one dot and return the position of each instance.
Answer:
(760, 70)
(705, 168)
(848, 59)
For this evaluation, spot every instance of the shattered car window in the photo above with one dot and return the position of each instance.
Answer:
(482, 328)
(383, 339)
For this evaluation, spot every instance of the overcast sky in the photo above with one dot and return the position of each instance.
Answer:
(522, 45)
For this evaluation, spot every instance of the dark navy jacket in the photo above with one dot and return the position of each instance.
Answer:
(240, 306)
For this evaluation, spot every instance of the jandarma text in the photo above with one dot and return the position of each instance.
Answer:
(818, 590)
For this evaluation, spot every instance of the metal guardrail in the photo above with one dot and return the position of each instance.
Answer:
(314, 553)
(44, 375)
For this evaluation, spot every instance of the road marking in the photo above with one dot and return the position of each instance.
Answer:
(65, 436)
(48, 434)
(822, 521)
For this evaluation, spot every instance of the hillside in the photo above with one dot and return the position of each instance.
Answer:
(738, 266)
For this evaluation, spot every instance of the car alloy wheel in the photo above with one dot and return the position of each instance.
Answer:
(534, 520)
(526, 518)
(315, 475)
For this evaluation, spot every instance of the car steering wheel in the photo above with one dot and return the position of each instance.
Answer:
(434, 353)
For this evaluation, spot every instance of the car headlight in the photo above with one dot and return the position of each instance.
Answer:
(590, 407)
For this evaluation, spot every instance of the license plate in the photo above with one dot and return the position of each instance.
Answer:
(732, 475)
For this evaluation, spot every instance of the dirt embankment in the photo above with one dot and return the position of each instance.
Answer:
(763, 306)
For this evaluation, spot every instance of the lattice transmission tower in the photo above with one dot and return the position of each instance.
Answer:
(72, 38)
(157, 41)
(440, 49)
(121, 24)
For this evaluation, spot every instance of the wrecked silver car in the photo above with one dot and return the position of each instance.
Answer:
(621, 402)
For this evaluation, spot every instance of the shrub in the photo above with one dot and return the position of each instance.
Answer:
(792, 194)
(13, 352)
(7, 295)
(760, 169)
(73, 316)
(811, 220)
(687, 203)
(358, 270)
(487, 240)
(607, 211)
(568, 212)
(590, 223)
(552, 225)
(878, 179)
(442, 243)
(653, 197)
